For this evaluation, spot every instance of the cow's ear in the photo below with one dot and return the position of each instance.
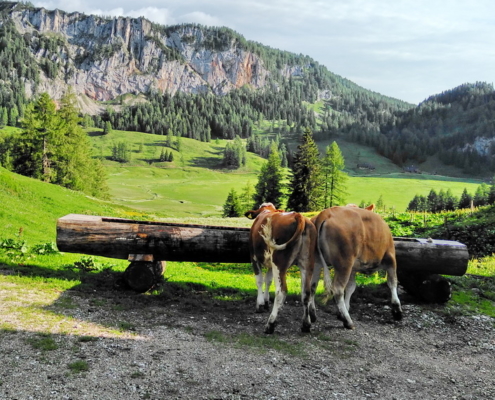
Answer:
(249, 214)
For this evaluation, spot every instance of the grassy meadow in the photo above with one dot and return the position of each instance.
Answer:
(196, 184)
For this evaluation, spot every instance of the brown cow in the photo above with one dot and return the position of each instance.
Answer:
(296, 236)
(351, 240)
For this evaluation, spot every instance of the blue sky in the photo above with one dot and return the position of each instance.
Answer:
(400, 48)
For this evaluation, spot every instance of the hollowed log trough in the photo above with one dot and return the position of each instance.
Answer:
(148, 245)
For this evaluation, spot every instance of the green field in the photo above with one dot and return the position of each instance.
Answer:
(196, 184)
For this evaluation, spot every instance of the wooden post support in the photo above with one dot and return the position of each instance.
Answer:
(144, 272)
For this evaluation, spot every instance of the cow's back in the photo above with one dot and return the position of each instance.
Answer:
(354, 233)
(378, 238)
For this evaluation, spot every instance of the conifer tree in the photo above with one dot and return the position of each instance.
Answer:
(306, 183)
(451, 201)
(481, 195)
(107, 128)
(269, 186)
(232, 207)
(246, 197)
(53, 147)
(432, 201)
(38, 141)
(334, 176)
(465, 200)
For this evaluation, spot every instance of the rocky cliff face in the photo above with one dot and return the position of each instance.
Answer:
(103, 58)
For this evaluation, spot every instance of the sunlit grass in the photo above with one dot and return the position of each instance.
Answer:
(33, 304)
(484, 266)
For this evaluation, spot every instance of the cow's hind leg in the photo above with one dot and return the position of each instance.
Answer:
(260, 299)
(313, 285)
(308, 289)
(349, 290)
(280, 295)
(392, 284)
(341, 278)
(268, 283)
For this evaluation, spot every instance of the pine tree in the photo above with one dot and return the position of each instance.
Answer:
(269, 186)
(232, 207)
(451, 201)
(34, 153)
(334, 176)
(163, 155)
(432, 201)
(107, 128)
(413, 204)
(465, 200)
(246, 197)
(481, 195)
(53, 147)
(307, 181)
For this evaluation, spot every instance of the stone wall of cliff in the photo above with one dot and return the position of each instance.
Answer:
(103, 58)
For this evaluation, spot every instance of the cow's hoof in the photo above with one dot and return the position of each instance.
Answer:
(270, 328)
(397, 313)
(260, 308)
(348, 325)
(312, 316)
(306, 328)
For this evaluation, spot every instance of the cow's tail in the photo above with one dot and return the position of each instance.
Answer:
(266, 233)
(327, 280)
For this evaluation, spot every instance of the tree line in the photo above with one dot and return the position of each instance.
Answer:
(315, 181)
(445, 201)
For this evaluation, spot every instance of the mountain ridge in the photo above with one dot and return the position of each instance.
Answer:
(104, 58)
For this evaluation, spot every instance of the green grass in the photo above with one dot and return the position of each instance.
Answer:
(43, 342)
(196, 184)
(78, 366)
(32, 207)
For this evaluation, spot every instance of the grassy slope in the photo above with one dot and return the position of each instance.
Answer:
(35, 206)
(197, 185)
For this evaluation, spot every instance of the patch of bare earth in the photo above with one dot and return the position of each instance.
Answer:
(184, 344)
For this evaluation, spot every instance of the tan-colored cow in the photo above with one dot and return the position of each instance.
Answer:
(352, 239)
(277, 241)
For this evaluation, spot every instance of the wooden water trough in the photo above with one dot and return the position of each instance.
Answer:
(148, 244)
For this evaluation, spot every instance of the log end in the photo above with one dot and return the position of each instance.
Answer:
(430, 288)
(143, 276)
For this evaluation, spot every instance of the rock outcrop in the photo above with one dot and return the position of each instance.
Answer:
(103, 58)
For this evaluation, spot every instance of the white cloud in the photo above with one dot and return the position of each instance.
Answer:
(202, 18)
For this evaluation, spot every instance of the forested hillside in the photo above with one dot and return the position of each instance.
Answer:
(205, 83)
(458, 125)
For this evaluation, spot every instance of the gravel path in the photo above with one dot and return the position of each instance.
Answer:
(190, 346)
